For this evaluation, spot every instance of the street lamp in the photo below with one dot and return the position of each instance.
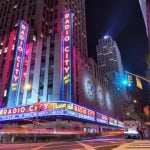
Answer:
(127, 113)
(28, 86)
(38, 105)
(135, 101)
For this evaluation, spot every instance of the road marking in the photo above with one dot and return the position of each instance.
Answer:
(135, 145)
(94, 148)
(86, 146)
(106, 145)
(55, 146)
(42, 146)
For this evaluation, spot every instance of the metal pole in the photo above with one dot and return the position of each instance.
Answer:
(145, 79)
(36, 126)
(38, 100)
(36, 121)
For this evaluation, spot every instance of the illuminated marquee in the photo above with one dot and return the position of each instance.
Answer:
(67, 55)
(53, 108)
(18, 64)
(101, 118)
(60, 108)
(48, 106)
(120, 124)
(112, 121)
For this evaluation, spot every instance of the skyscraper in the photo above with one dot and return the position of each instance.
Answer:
(145, 8)
(144, 12)
(109, 60)
(108, 57)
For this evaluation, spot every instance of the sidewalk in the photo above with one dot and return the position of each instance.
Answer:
(137, 145)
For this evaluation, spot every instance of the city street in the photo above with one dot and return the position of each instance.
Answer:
(95, 144)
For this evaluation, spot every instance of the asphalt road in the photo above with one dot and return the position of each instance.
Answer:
(95, 144)
(136, 145)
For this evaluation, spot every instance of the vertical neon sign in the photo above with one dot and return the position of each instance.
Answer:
(66, 90)
(18, 65)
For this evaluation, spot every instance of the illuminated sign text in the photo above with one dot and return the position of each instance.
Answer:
(20, 49)
(101, 118)
(67, 55)
(60, 108)
(18, 64)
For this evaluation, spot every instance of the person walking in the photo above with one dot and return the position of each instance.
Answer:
(139, 130)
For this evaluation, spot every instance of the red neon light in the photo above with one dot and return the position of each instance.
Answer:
(111, 120)
(67, 48)
(104, 118)
(24, 130)
(83, 110)
(18, 58)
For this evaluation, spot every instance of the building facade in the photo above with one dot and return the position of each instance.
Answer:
(144, 12)
(54, 62)
(44, 18)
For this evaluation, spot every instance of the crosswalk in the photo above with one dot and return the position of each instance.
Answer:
(137, 145)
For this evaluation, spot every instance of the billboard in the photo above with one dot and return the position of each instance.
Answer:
(18, 64)
(66, 53)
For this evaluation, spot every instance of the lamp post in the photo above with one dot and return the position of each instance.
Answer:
(38, 105)
(135, 101)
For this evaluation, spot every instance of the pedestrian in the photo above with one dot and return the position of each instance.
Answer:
(143, 132)
(139, 130)
(149, 133)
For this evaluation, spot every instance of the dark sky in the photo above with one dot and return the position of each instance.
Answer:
(122, 19)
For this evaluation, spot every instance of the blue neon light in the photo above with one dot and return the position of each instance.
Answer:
(63, 27)
(112, 123)
(100, 120)
(10, 88)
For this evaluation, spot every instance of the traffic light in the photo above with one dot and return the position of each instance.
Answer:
(138, 83)
(126, 82)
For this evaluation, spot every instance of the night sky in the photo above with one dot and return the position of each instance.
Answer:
(122, 19)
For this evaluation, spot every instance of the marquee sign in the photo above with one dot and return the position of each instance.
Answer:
(101, 118)
(51, 108)
(18, 64)
(112, 121)
(66, 40)
(120, 124)
(60, 108)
